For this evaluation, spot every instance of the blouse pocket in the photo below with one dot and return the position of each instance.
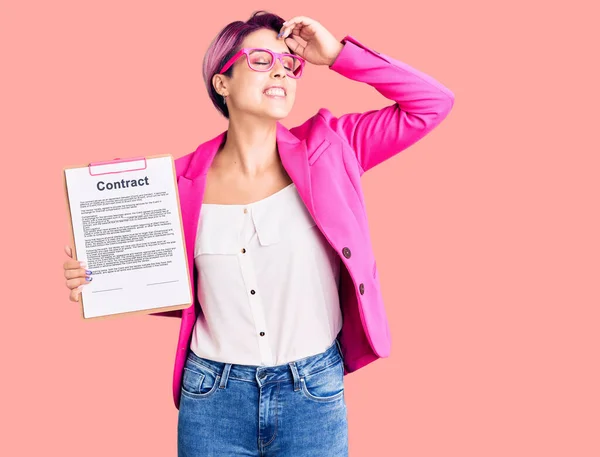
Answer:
(215, 243)
(281, 223)
(217, 233)
(267, 227)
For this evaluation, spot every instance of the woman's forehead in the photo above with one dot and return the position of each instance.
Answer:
(265, 39)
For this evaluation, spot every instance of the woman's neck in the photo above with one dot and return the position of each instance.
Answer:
(249, 149)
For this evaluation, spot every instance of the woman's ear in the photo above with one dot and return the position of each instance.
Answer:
(219, 85)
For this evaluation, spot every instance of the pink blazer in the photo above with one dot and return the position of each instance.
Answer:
(325, 157)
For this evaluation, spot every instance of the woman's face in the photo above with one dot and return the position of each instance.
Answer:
(245, 89)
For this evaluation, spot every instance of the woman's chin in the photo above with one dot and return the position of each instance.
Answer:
(277, 114)
(270, 112)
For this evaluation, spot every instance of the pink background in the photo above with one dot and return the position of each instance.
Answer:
(485, 231)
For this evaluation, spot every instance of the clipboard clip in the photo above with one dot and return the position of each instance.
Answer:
(118, 165)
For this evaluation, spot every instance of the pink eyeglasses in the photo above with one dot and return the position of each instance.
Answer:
(260, 59)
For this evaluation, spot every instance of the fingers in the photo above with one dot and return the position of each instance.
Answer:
(73, 264)
(78, 277)
(295, 46)
(76, 285)
(76, 282)
(297, 32)
(296, 24)
(73, 273)
(75, 294)
(299, 19)
(285, 32)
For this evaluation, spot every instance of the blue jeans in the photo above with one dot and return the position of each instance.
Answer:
(296, 409)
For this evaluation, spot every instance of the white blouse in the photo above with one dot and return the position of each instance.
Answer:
(269, 283)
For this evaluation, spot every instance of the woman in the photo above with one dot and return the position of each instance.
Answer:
(276, 234)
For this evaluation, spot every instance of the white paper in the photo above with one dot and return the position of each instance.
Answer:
(126, 226)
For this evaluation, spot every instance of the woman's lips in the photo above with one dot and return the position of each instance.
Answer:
(276, 92)
(275, 96)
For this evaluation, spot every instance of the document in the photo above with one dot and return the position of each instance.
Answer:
(127, 226)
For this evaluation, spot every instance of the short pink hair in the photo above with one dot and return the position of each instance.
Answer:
(227, 43)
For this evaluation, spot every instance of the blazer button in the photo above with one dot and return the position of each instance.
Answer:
(346, 253)
(361, 288)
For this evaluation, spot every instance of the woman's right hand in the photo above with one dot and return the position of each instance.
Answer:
(76, 275)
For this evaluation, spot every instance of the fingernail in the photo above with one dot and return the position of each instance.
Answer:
(88, 278)
(82, 264)
(88, 272)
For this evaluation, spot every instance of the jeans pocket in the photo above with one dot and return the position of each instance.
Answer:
(198, 381)
(326, 385)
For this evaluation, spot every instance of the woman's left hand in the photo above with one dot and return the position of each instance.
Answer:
(321, 47)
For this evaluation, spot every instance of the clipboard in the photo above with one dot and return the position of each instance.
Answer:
(126, 165)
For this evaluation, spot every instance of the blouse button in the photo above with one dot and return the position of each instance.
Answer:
(262, 333)
(243, 250)
(245, 210)
(346, 253)
(252, 292)
(361, 288)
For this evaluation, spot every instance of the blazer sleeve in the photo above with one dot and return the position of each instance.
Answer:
(420, 104)
(180, 167)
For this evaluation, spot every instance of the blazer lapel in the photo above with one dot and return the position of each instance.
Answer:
(191, 187)
(294, 157)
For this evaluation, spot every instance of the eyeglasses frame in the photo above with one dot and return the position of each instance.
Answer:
(276, 55)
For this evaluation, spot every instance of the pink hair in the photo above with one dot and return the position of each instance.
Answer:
(227, 43)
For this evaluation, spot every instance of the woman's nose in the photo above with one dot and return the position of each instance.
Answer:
(278, 67)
